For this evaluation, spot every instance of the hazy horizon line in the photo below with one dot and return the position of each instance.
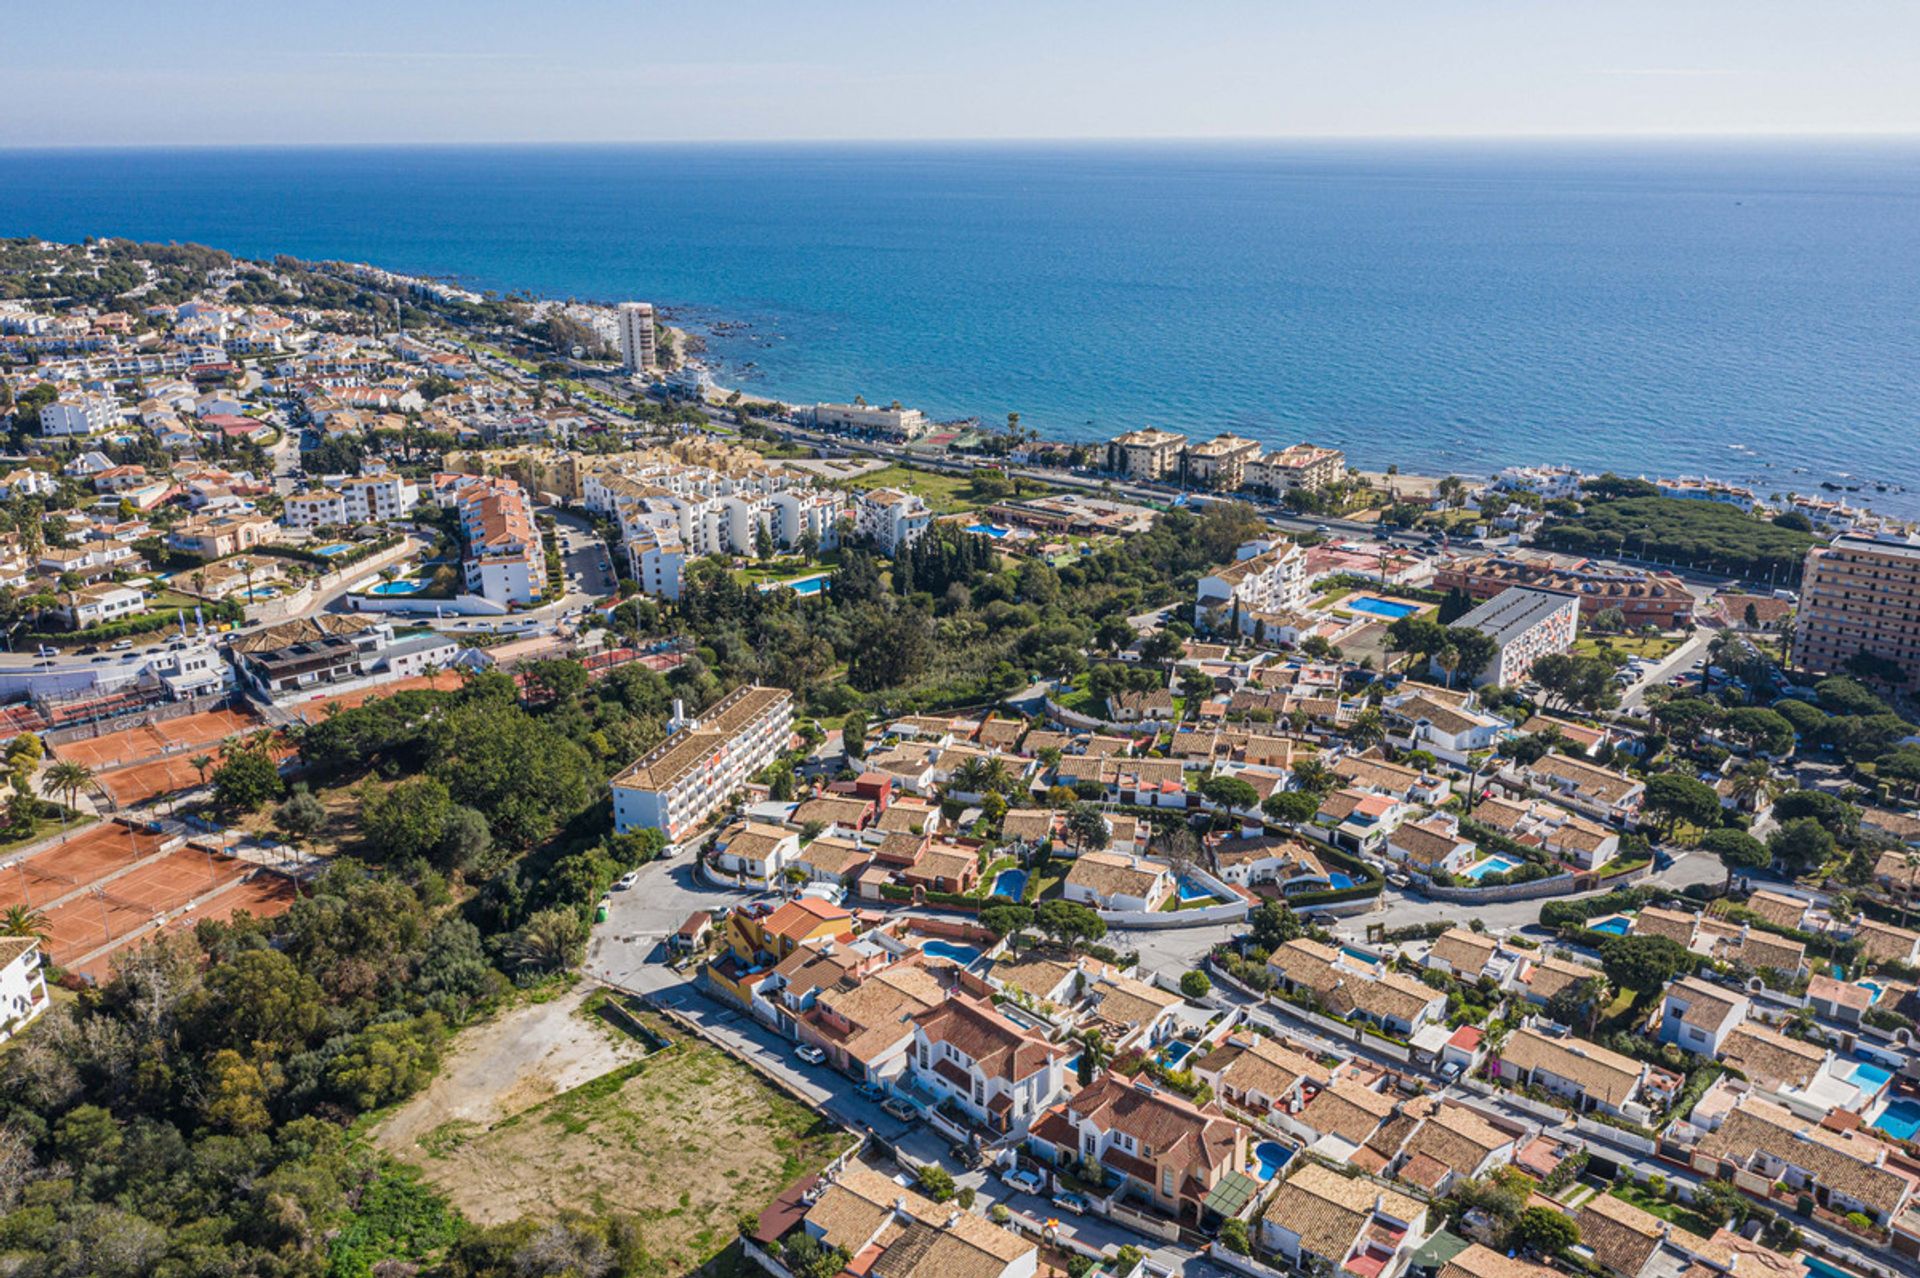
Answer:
(1585, 136)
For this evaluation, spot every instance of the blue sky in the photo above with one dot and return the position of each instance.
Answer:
(118, 72)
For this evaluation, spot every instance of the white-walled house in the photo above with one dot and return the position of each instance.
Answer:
(1002, 1074)
(23, 990)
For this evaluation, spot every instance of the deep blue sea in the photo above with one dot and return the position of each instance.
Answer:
(1735, 309)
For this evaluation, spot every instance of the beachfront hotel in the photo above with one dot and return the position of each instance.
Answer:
(680, 782)
(1860, 594)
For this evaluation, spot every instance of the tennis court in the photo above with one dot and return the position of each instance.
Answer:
(156, 740)
(90, 854)
(132, 901)
(314, 711)
(264, 896)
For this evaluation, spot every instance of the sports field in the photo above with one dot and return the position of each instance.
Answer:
(156, 740)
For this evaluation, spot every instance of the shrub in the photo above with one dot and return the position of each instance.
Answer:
(1195, 984)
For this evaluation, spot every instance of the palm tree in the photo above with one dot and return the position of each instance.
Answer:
(432, 671)
(1752, 784)
(202, 763)
(1367, 729)
(1448, 659)
(22, 920)
(68, 777)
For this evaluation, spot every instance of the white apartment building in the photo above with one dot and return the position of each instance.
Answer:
(681, 781)
(1305, 466)
(377, 497)
(106, 601)
(894, 422)
(320, 506)
(797, 511)
(506, 559)
(656, 559)
(1266, 582)
(637, 346)
(891, 518)
(1525, 625)
(83, 414)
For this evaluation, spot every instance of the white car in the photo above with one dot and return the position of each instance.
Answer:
(1024, 1181)
(810, 1054)
(626, 880)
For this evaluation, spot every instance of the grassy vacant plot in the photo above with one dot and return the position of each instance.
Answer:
(685, 1141)
(943, 493)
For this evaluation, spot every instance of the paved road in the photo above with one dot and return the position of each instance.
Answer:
(1674, 662)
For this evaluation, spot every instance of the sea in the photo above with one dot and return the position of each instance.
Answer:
(1746, 310)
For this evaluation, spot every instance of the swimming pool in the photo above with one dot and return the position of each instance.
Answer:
(401, 587)
(1173, 1053)
(1011, 883)
(988, 530)
(1819, 1268)
(808, 585)
(964, 955)
(1362, 955)
(1339, 880)
(1872, 987)
(337, 548)
(1191, 891)
(1867, 1076)
(1492, 865)
(1272, 1156)
(1900, 1118)
(1616, 925)
(1380, 607)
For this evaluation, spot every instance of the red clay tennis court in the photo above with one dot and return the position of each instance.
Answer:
(90, 854)
(156, 740)
(142, 781)
(264, 896)
(315, 710)
(131, 901)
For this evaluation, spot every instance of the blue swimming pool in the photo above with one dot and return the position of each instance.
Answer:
(988, 530)
(1339, 880)
(1362, 955)
(1900, 1119)
(1872, 987)
(1867, 1076)
(809, 585)
(1191, 891)
(1615, 926)
(1819, 1268)
(337, 548)
(402, 587)
(1381, 607)
(1271, 1156)
(1173, 1053)
(1492, 865)
(964, 955)
(1011, 883)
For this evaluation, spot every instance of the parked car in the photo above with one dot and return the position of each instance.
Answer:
(122, 645)
(810, 1054)
(1450, 1071)
(899, 1109)
(1071, 1202)
(626, 880)
(871, 1091)
(1023, 1180)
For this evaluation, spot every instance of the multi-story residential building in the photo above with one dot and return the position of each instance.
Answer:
(1760, 1144)
(1643, 598)
(104, 601)
(676, 785)
(1525, 625)
(505, 558)
(79, 414)
(1001, 1074)
(1164, 1148)
(1256, 593)
(318, 507)
(292, 661)
(893, 422)
(756, 853)
(377, 497)
(898, 1233)
(1550, 482)
(1307, 467)
(637, 345)
(1220, 463)
(656, 558)
(217, 536)
(1112, 881)
(23, 990)
(1149, 454)
(1448, 728)
(798, 511)
(891, 518)
(1860, 594)
(1597, 791)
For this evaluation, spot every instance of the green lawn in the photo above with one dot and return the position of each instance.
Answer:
(1676, 1213)
(1651, 647)
(945, 494)
(787, 567)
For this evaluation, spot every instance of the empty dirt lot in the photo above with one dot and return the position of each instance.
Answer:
(684, 1140)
